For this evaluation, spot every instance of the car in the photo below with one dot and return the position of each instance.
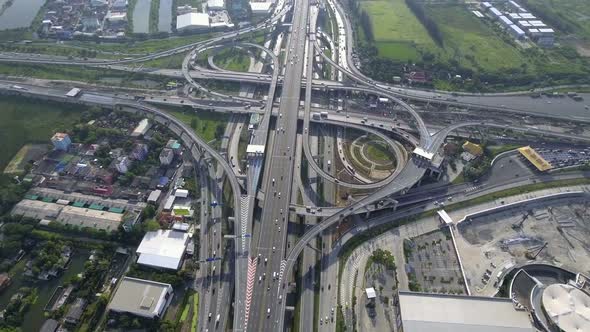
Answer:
(273, 249)
(266, 259)
(260, 279)
(321, 321)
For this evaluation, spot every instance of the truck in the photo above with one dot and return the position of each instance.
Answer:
(316, 116)
(217, 319)
(324, 115)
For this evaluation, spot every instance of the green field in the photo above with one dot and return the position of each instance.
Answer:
(236, 59)
(472, 43)
(25, 121)
(205, 123)
(83, 74)
(574, 13)
(471, 47)
(398, 34)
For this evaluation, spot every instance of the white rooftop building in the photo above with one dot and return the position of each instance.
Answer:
(261, 8)
(192, 21)
(142, 128)
(215, 4)
(422, 312)
(162, 249)
(142, 298)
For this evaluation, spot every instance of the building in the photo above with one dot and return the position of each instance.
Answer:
(557, 299)
(371, 294)
(154, 196)
(421, 312)
(535, 158)
(143, 298)
(166, 156)
(61, 141)
(49, 325)
(474, 149)
(182, 193)
(143, 126)
(505, 21)
(36, 209)
(75, 312)
(215, 4)
(192, 21)
(162, 249)
(175, 146)
(516, 32)
(89, 217)
(4, 281)
(139, 151)
(261, 8)
(122, 164)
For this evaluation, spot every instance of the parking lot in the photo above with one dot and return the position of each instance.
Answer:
(561, 157)
(432, 263)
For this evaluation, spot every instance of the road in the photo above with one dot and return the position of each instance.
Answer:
(270, 232)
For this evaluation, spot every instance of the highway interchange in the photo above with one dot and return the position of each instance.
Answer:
(262, 245)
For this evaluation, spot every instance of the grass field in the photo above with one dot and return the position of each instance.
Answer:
(575, 12)
(398, 34)
(473, 43)
(235, 59)
(378, 152)
(26, 153)
(204, 123)
(83, 74)
(25, 121)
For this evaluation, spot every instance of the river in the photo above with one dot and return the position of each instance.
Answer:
(20, 14)
(33, 319)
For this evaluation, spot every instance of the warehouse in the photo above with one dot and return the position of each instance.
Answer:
(97, 219)
(36, 209)
(192, 21)
(459, 313)
(162, 249)
(142, 298)
(516, 32)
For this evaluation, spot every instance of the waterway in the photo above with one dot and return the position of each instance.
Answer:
(20, 14)
(141, 16)
(33, 319)
(165, 19)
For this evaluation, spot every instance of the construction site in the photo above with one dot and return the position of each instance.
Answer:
(551, 232)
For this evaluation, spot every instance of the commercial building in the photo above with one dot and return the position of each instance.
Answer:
(215, 4)
(143, 298)
(474, 149)
(535, 159)
(166, 156)
(560, 302)
(446, 313)
(162, 249)
(182, 193)
(61, 141)
(260, 8)
(143, 126)
(192, 21)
